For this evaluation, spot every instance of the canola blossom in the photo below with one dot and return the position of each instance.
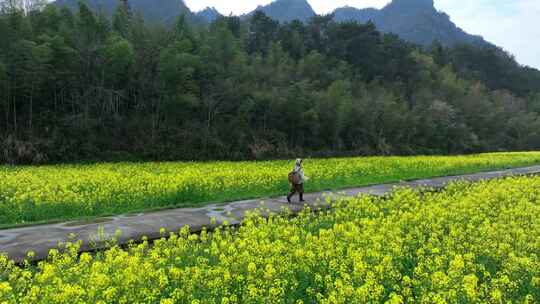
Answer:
(471, 243)
(63, 192)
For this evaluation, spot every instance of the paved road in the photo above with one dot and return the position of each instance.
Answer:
(17, 242)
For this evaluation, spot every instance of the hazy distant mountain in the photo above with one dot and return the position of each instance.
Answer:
(414, 20)
(348, 13)
(208, 14)
(151, 10)
(287, 10)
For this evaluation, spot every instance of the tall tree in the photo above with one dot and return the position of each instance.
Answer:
(262, 31)
(122, 19)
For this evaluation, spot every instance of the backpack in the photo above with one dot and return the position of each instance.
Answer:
(294, 178)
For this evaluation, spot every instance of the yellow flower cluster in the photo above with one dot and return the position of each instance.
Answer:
(471, 243)
(37, 194)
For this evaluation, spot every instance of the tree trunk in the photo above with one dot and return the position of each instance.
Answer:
(15, 116)
(6, 99)
(31, 110)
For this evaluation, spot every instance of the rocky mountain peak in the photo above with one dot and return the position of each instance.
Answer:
(288, 10)
(209, 14)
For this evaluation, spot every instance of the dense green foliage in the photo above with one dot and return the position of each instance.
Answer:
(85, 86)
(492, 66)
(472, 243)
(64, 192)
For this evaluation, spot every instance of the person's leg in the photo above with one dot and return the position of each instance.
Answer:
(301, 192)
(291, 193)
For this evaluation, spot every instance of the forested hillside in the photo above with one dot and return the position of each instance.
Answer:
(84, 86)
(154, 11)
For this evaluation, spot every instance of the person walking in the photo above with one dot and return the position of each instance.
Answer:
(297, 179)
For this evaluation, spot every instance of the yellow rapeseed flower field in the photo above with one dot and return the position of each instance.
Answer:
(61, 192)
(471, 243)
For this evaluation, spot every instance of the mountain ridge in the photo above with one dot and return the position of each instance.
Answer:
(286, 10)
(208, 14)
(416, 21)
(156, 11)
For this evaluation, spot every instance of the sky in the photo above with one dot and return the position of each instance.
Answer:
(511, 24)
